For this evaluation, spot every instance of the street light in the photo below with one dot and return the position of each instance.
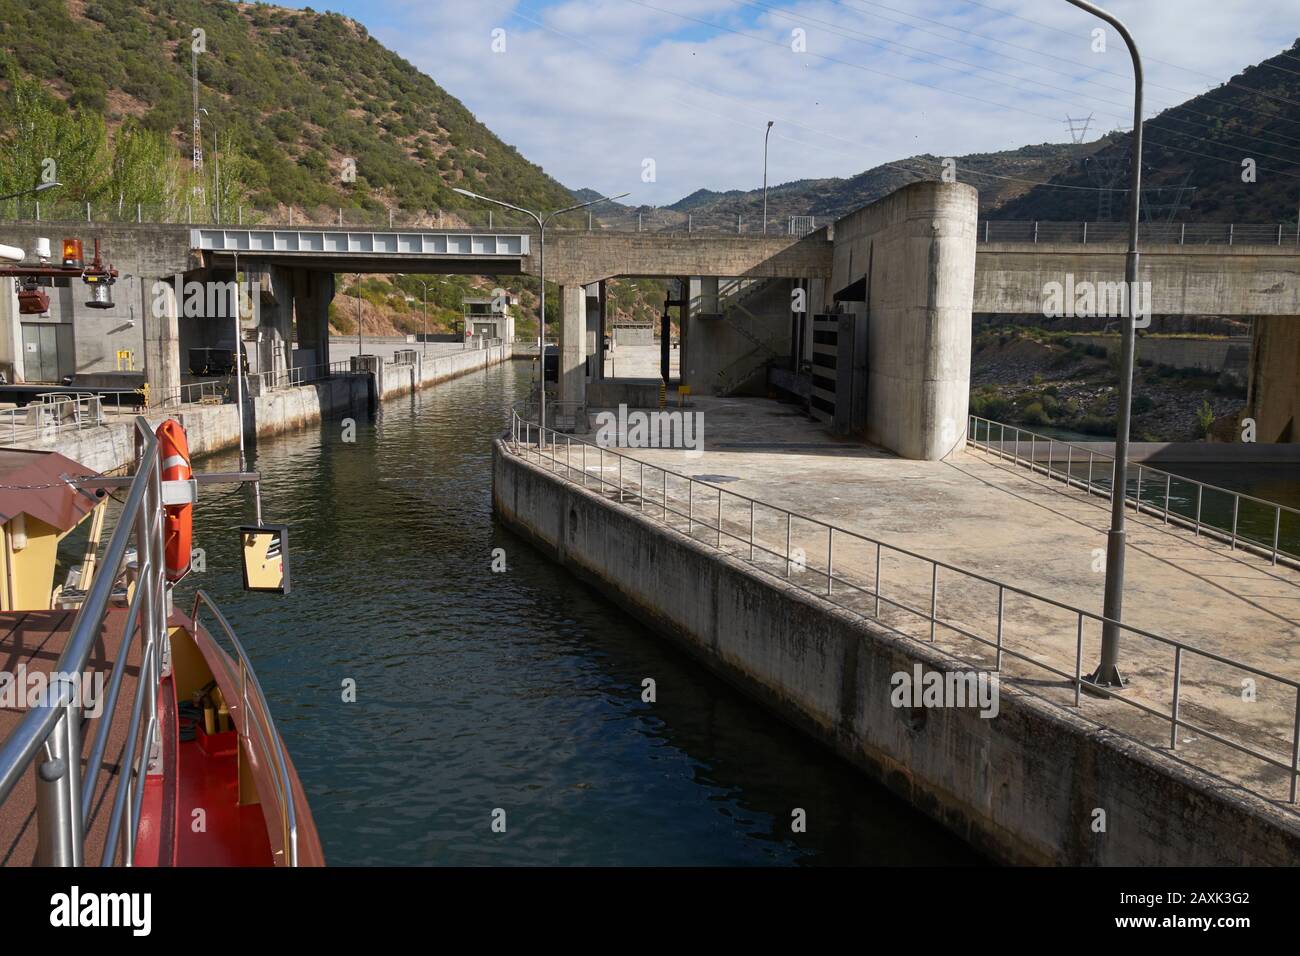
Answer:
(358, 288)
(770, 124)
(1107, 672)
(424, 293)
(541, 219)
(39, 188)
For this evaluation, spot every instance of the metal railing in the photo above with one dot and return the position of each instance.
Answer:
(51, 414)
(270, 381)
(565, 456)
(208, 391)
(257, 715)
(720, 221)
(50, 735)
(1221, 513)
(1169, 233)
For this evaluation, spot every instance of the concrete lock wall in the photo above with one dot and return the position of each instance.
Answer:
(1210, 355)
(908, 263)
(1021, 787)
(404, 379)
(1274, 387)
(1185, 280)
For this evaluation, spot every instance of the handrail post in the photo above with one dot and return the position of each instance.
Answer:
(1173, 713)
(997, 663)
(1295, 746)
(787, 543)
(877, 581)
(830, 558)
(751, 530)
(934, 596)
(56, 832)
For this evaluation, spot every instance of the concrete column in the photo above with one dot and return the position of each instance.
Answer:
(275, 320)
(312, 294)
(1274, 391)
(162, 338)
(601, 324)
(910, 260)
(685, 373)
(11, 332)
(573, 343)
(709, 295)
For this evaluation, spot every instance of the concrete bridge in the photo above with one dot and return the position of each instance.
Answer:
(895, 284)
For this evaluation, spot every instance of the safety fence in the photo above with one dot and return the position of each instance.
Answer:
(1162, 233)
(1243, 521)
(899, 588)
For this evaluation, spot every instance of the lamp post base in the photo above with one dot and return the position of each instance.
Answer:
(1106, 677)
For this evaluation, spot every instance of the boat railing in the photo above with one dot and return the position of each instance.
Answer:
(256, 715)
(50, 735)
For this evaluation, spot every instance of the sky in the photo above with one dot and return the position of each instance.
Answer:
(660, 98)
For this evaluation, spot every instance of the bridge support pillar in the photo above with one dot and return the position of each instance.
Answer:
(312, 294)
(11, 332)
(162, 338)
(275, 320)
(1274, 392)
(573, 344)
(907, 263)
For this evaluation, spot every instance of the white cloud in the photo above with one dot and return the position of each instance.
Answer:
(593, 87)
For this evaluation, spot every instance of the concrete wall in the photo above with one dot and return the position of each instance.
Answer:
(215, 427)
(1210, 355)
(1020, 787)
(1185, 280)
(914, 253)
(403, 379)
(721, 354)
(1274, 389)
(577, 257)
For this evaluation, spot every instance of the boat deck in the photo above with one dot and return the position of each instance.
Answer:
(31, 642)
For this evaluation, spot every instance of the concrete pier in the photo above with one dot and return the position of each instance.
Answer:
(1027, 785)
(210, 428)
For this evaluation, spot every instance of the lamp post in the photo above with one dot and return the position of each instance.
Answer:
(358, 288)
(541, 219)
(770, 124)
(424, 298)
(1107, 672)
(38, 188)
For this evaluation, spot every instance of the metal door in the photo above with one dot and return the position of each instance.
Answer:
(40, 352)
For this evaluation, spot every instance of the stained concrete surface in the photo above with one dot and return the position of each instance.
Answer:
(996, 519)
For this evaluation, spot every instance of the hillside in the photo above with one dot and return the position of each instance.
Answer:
(296, 92)
(1192, 157)
(834, 197)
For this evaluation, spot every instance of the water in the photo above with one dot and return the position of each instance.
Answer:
(519, 691)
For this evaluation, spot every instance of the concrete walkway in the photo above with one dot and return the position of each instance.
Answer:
(1001, 521)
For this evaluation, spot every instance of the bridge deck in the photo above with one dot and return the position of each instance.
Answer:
(999, 520)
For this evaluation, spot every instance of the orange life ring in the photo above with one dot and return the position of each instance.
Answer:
(174, 456)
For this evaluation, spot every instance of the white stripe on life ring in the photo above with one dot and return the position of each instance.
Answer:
(173, 461)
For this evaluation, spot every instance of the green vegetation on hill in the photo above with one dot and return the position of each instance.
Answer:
(295, 92)
(831, 198)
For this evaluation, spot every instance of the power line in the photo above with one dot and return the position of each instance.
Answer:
(1149, 59)
(1078, 79)
(835, 60)
(745, 105)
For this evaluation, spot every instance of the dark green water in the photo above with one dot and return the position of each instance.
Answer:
(519, 691)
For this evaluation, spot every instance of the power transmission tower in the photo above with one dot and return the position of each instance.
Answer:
(198, 135)
(1078, 128)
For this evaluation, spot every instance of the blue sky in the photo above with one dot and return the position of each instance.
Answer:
(592, 89)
